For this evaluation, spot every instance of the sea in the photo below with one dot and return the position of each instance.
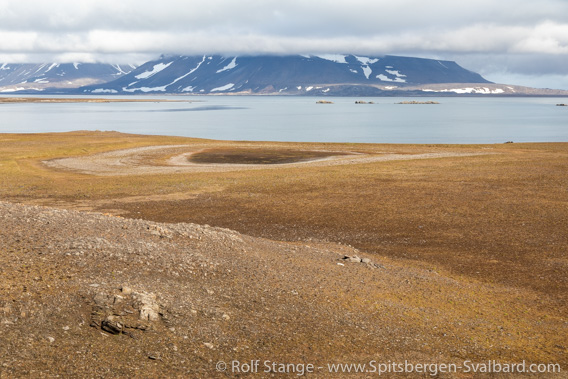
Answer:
(455, 120)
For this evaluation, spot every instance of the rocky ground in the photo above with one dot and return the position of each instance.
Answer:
(94, 295)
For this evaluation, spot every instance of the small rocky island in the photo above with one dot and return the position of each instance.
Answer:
(324, 102)
(418, 102)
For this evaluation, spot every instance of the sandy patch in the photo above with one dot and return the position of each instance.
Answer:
(150, 160)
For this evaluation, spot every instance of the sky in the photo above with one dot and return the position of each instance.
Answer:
(522, 42)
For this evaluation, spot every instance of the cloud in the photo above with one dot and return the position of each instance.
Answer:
(105, 30)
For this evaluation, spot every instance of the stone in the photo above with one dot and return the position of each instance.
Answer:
(365, 260)
(149, 314)
(354, 259)
(6, 309)
(159, 231)
(100, 299)
(112, 325)
(149, 309)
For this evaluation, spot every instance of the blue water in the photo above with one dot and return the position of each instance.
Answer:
(280, 118)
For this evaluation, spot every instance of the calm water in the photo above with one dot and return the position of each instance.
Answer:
(454, 120)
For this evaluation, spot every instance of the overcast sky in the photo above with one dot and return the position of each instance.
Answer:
(521, 42)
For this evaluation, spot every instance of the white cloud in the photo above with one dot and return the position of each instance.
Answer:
(110, 30)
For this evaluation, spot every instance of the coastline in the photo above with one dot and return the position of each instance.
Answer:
(55, 100)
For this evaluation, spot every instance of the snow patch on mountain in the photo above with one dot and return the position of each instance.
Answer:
(17, 89)
(366, 61)
(120, 71)
(157, 68)
(197, 67)
(396, 73)
(54, 65)
(184, 76)
(479, 90)
(223, 88)
(230, 66)
(398, 77)
(145, 89)
(337, 58)
(385, 78)
(102, 90)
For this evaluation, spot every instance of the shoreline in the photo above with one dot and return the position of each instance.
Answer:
(51, 100)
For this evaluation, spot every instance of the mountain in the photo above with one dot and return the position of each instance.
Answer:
(317, 75)
(50, 77)
(297, 74)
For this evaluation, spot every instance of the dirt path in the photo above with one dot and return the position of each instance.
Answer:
(168, 159)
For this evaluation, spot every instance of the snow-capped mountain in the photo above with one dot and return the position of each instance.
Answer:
(53, 76)
(297, 74)
(324, 74)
